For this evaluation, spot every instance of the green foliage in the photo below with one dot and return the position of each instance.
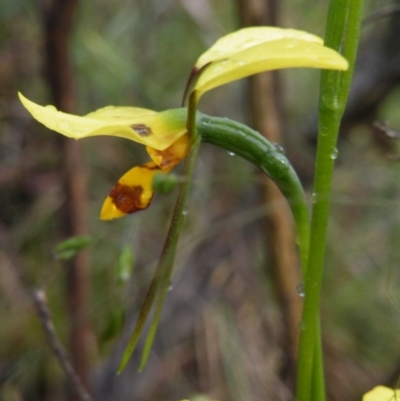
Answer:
(164, 184)
(125, 266)
(69, 248)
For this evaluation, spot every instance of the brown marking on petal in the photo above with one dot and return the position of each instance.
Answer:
(150, 167)
(142, 129)
(169, 157)
(127, 198)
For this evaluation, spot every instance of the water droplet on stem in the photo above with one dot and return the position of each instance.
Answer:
(334, 154)
(279, 148)
(314, 197)
(300, 290)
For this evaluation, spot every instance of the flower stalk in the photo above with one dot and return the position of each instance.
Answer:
(270, 158)
(342, 33)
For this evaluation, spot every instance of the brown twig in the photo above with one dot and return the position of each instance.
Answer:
(43, 311)
(58, 18)
(9, 257)
(284, 260)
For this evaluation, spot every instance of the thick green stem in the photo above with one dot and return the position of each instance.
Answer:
(342, 32)
(252, 146)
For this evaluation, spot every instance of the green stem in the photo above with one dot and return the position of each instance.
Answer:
(342, 30)
(161, 279)
(318, 376)
(167, 259)
(192, 115)
(269, 157)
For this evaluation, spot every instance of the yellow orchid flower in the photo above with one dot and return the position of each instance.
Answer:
(134, 190)
(236, 55)
(164, 135)
(253, 50)
(382, 393)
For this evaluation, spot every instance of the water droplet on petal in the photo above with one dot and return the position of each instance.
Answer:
(50, 107)
(334, 154)
(231, 153)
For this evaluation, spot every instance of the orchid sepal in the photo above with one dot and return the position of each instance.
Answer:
(158, 130)
(254, 50)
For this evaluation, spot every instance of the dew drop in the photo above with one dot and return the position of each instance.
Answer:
(231, 153)
(282, 160)
(300, 290)
(334, 154)
(184, 212)
(314, 197)
(279, 148)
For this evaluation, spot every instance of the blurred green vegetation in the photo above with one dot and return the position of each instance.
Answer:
(221, 334)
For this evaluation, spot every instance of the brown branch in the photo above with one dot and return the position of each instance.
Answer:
(284, 260)
(9, 257)
(43, 311)
(58, 17)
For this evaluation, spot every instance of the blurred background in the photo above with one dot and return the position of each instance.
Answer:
(229, 325)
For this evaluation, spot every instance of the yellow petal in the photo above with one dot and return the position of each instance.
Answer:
(133, 192)
(121, 113)
(272, 55)
(240, 40)
(171, 156)
(382, 393)
(158, 130)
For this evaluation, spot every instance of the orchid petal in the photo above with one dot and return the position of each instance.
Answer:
(133, 192)
(269, 55)
(382, 393)
(171, 156)
(150, 128)
(240, 40)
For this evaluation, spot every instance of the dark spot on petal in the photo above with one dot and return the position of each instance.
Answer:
(127, 198)
(142, 129)
(150, 168)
